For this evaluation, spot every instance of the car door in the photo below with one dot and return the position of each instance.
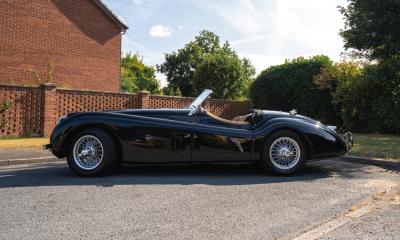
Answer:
(159, 141)
(214, 141)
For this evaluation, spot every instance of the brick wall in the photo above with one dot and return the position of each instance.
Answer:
(83, 42)
(69, 101)
(33, 111)
(23, 116)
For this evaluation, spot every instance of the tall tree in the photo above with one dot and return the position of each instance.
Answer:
(373, 28)
(206, 63)
(224, 74)
(136, 75)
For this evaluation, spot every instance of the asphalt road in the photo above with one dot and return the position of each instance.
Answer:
(46, 201)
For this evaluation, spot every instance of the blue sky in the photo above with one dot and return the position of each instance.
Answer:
(265, 31)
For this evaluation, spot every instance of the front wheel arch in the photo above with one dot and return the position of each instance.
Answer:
(100, 143)
(283, 166)
(304, 138)
(73, 133)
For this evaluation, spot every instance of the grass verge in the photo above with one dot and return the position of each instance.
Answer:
(23, 142)
(376, 145)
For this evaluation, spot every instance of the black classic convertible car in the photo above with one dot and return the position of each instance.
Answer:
(280, 142)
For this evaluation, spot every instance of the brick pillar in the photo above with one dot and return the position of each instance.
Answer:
(143, 99)
(49, 105)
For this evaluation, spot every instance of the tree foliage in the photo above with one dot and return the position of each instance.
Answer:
(137, 76)
(206, 63)
(386, 101)
(373, 28)
(170, 90)
(357, 97)
(357, 92)
(223, 74)
(349, 91)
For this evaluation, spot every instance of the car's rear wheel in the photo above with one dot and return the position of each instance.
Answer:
(284, 153)
(92, 152)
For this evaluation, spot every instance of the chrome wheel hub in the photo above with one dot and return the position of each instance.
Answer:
(88, 152)
(284, 153)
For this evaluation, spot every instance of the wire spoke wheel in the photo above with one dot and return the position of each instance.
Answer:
(88, 152)
(284, 153)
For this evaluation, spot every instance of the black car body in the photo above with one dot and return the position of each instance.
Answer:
(188, 135)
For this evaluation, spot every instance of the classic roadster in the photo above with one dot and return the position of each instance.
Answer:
(94, 142)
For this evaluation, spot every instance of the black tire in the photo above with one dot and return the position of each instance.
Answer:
(268, 164)
(108, 160)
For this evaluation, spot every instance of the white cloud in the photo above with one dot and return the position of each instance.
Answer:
(160, 31)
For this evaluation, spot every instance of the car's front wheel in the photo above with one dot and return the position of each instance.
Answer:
(91, 153)
(284, 153)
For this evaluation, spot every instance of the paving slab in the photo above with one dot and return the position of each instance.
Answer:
(11, 156)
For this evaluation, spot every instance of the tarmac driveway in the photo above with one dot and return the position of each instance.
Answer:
(332, 199)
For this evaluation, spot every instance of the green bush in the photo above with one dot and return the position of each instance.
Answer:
(291, 86)
(385, 105)
(353, 95)
(356, 97)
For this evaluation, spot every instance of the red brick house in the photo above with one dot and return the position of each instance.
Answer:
(81, 37)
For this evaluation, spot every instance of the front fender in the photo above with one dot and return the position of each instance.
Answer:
(114, 123)
(321, 141)
(71, 125)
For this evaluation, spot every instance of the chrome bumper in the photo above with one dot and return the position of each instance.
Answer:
(348, 139)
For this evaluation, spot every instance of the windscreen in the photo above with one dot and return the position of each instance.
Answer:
(200, 99)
